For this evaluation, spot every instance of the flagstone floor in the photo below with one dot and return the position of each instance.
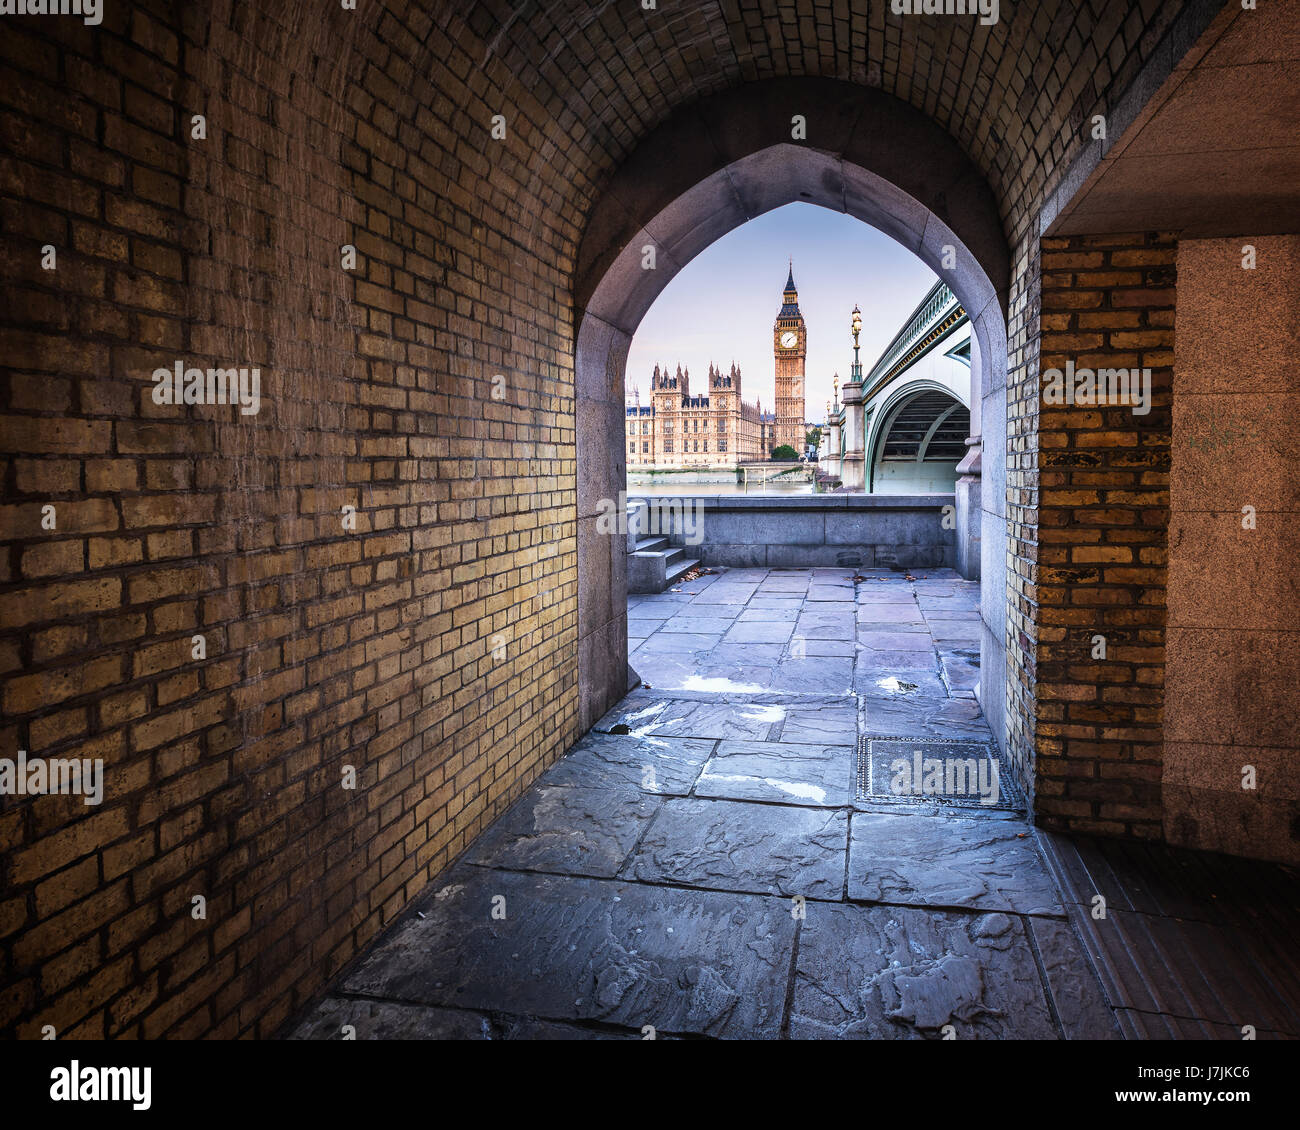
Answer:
(705, 863)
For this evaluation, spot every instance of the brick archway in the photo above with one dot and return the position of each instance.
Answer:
(707, 171)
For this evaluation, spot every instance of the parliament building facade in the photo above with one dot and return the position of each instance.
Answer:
(719, 429)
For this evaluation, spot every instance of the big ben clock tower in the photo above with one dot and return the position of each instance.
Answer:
(790, 343)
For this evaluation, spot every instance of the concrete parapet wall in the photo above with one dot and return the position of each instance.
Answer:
(861, 531)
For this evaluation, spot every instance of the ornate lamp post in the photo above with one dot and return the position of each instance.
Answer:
(852, 468)
(857, 328)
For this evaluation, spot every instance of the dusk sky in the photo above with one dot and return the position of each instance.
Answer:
(721, 307)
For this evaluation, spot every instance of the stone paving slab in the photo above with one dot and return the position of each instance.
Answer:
(712, 611)
(818, 626)
(889, 973)
(765, 613)
(925, 716)
(647, 611)
(818, 675)
(844, 649)
(676, 642)
(1072, 982)
(891, 614)
(779, 772)
(833, 723)
(948, 861)
(388, 1020)
(734, 846)
(759, 631)
(570, 830)
(691, 624)
(895, 639)
(591, 949)
(661, 766)
(876, 593)
(681, 717)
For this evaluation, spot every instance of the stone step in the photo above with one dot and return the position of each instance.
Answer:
(677, 568)
(650, 545)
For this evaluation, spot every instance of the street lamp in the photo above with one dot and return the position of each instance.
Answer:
(836, 385)
(857, 328)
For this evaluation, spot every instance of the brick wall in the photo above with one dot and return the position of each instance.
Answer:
(1103, 518)
(432, 647)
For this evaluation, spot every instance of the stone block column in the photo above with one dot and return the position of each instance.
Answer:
(853, 465)
(833, 463)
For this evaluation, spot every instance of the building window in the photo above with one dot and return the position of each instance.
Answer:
(706, 447)
(645, 447)
(668, 446)
(697, 445)
(722, 424)
(722, 445)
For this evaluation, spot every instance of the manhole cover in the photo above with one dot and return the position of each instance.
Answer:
(902, 770)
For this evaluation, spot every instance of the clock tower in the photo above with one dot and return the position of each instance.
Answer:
(790, 343)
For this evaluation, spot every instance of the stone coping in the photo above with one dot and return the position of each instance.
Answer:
(805, 501)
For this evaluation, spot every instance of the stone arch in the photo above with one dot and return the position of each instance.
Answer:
(886, 416)
(706, 171)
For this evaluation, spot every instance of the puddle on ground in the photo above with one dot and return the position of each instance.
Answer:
(719, 685)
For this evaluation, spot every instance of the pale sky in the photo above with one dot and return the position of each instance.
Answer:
(721, 306)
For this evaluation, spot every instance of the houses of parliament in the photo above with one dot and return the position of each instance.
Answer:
(718, 428)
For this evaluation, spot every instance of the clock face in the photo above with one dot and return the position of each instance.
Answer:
(789, 339)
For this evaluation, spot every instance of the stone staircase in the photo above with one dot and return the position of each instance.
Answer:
(652, 563)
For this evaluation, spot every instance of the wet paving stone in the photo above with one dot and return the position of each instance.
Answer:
(819, 775)
(729, 845)
(895, 640)
(824, 723)
(685, 961)
(759, 631)
(824, 627)
(1075, 993)
(690, 718)
(925, 716)
(661, 766)
(568, 830)
(888, 973)
(387, 1020)
(689, 623)
(873, 665)
(940, 860)
(818, 675)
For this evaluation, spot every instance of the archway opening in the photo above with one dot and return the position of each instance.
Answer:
(693, 181)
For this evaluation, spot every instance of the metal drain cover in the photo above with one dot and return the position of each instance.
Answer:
(965, 774)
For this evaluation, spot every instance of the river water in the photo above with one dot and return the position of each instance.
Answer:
(652, 489)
